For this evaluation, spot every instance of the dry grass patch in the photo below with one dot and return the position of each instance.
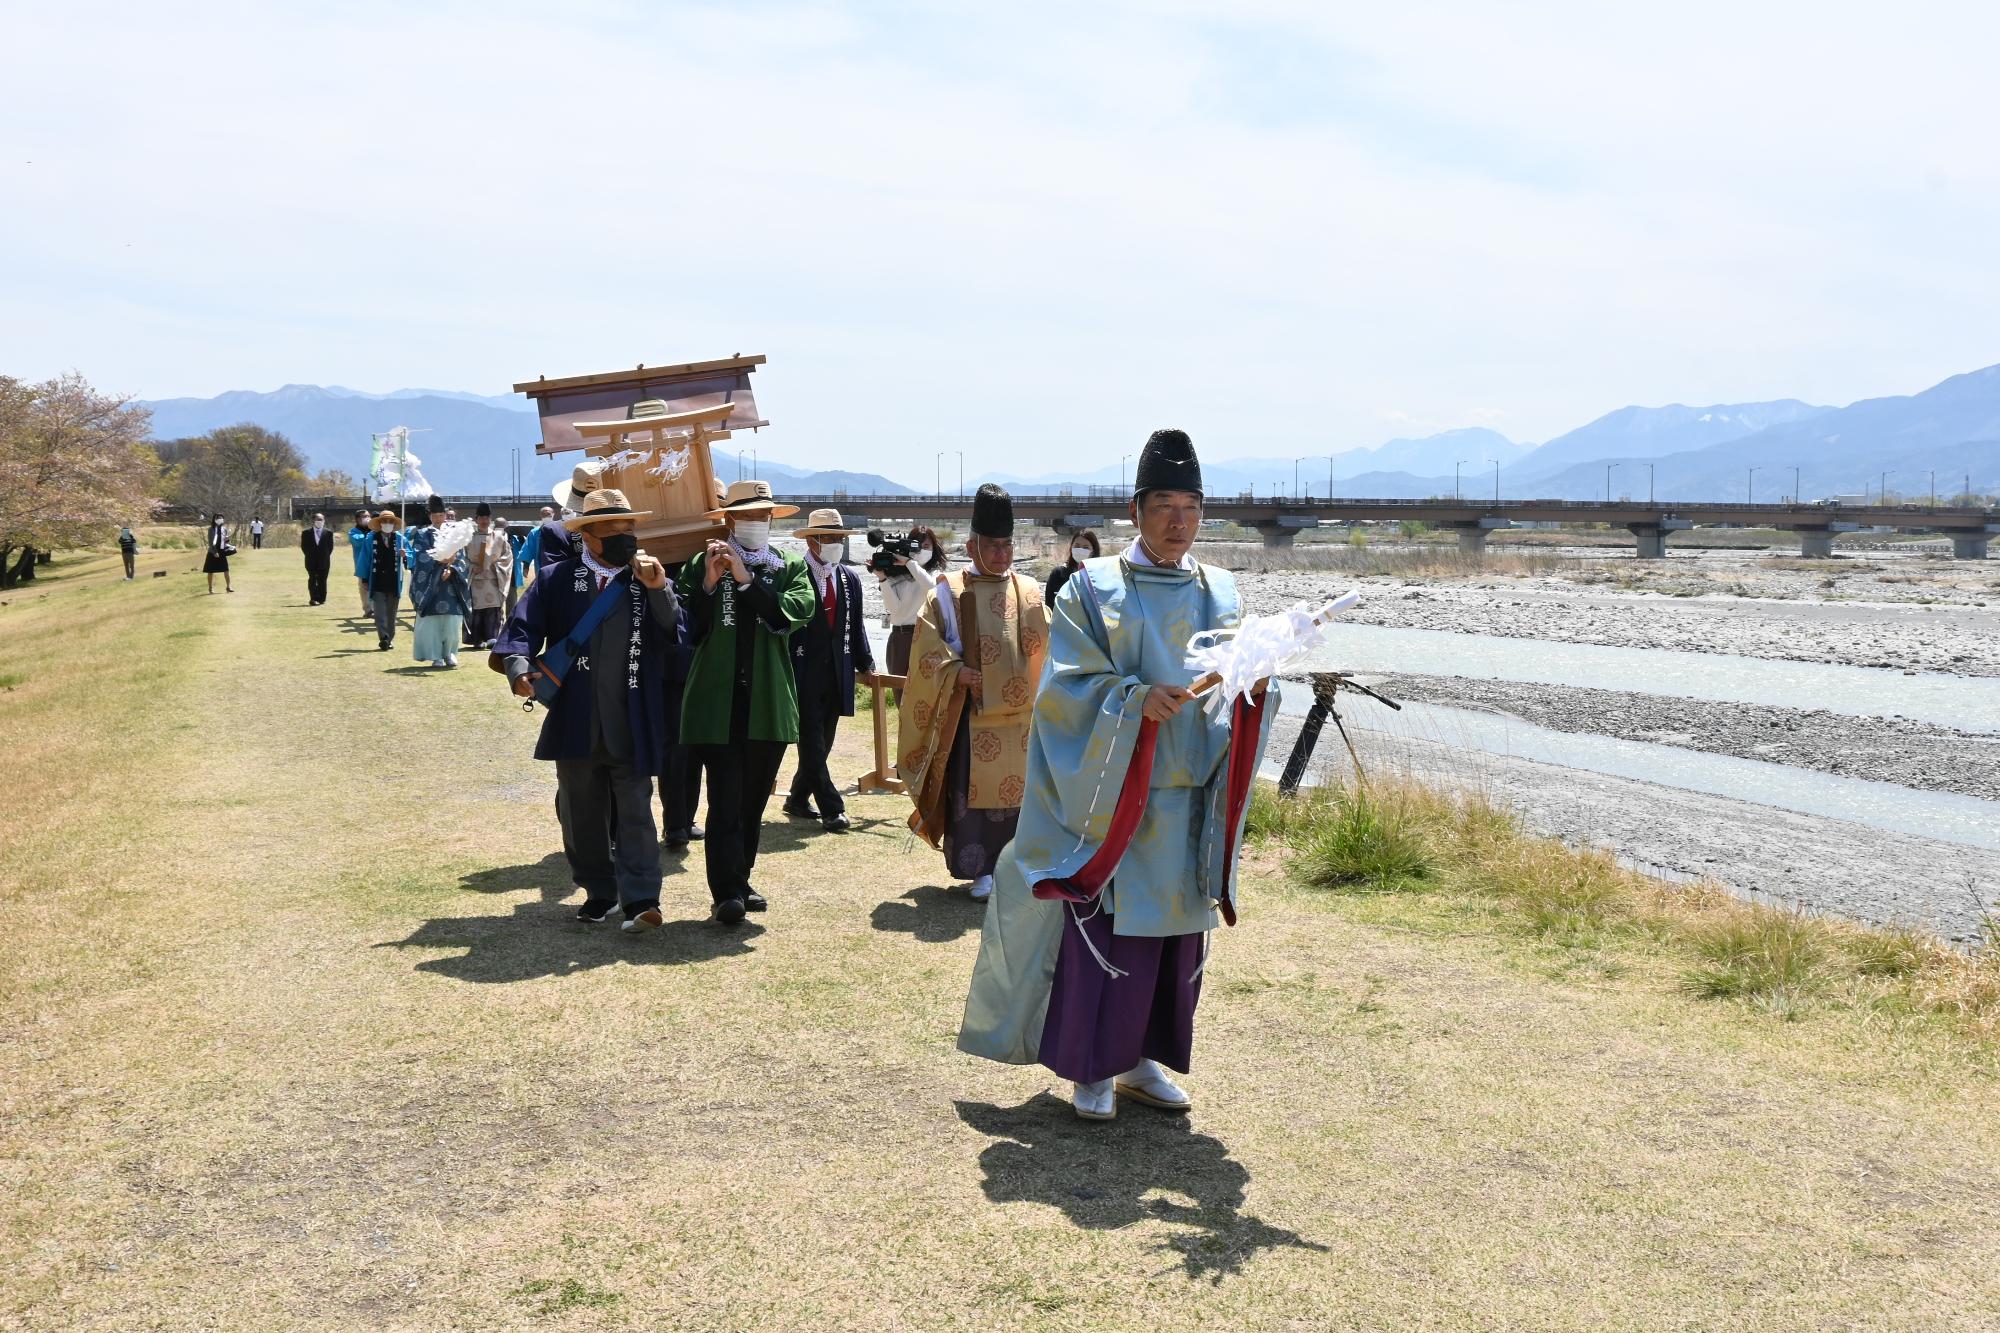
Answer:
(1475, 861)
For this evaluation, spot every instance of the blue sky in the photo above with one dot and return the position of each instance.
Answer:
(1029, 232)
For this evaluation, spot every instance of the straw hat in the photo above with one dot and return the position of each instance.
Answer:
(824, 523)
(752, 497)
(389, 516)
(584, 478)
(603, 507)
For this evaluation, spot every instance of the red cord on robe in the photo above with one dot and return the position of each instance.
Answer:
(1241, 768)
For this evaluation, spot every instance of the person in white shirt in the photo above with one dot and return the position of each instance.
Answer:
(903, 595)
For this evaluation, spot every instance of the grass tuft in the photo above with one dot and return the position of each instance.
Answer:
(1360, 838)
(1775, 957)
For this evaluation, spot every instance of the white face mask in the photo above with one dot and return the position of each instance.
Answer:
(751, 536)
(1080, 553)
(832, 553)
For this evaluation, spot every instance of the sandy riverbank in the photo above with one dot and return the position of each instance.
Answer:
(1909, 754)
(1824, 865)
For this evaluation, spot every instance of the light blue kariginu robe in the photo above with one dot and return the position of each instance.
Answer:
(1116, 628)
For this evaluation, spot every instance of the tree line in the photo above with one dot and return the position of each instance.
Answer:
(76, 464)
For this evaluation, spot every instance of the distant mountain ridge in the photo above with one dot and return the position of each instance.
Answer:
(467, 441)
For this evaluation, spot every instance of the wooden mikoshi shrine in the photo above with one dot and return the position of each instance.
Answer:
(651, 427)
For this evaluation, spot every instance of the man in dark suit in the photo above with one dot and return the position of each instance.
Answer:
(826, 652)
(317, 544)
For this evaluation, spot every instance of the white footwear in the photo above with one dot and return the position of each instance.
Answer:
(982, 888)
(1097, 1101)
(1148, 1083)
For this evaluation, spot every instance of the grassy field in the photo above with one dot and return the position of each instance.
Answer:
(298, 1031)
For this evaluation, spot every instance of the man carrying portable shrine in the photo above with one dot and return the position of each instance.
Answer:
(962, 728)
(740, 706)
(606, 729)
(1096, 935)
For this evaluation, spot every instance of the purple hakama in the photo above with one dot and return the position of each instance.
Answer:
(1100, 1026)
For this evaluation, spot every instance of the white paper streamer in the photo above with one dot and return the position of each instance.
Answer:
(673, 462)
(625, 458)
(452, 538)
(1260, 647)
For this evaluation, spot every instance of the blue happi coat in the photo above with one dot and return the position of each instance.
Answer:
(1115, 629)
(434, 594)
(546, 613)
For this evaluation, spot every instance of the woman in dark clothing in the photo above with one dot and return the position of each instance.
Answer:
(218, 554)
(1083, 546)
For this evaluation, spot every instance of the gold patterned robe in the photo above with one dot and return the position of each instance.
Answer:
(1002, 619)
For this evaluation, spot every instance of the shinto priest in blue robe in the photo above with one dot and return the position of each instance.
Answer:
(1125, 856)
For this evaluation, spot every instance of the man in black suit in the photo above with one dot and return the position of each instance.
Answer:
(317, 543)
(827, 651)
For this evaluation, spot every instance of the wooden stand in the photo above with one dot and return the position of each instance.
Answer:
(882, 778)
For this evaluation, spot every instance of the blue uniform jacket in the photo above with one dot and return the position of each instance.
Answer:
(546, 613)
(364, 560)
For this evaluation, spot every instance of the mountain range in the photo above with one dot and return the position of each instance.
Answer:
(467, 442)
(1674, 452)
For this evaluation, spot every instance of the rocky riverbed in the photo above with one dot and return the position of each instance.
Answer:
(1909, 754)
(1773, 855)
(1946, 621)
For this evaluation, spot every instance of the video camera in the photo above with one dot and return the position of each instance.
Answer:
(887, 548)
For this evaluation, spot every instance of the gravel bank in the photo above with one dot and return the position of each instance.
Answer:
(1778, 856)
(1909, 754)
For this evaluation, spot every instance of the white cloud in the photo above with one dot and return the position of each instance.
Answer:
(1042, 232)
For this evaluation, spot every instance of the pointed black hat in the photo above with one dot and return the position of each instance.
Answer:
(992, 512)
(436, 504)
(1167, 463)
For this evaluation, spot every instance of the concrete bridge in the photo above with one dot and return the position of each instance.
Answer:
(1280, 519)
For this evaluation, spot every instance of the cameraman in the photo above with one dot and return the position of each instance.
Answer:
(903, 594)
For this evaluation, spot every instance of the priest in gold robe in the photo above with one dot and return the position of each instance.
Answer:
(962, 740)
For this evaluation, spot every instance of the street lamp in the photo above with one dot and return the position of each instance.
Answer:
(1798, 496)
(1454, 477)
(937, 476)
(1750, 487)
(1496, 479)
(1295, 477)
(1607, 480)
(1882, 491)
(1121, 472)
(1649, 483)
(1329, 479)
(753, 464)
(1934, 488)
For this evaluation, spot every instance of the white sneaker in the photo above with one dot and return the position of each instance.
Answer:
(650, 919)
(452, 660)
(982, 888)
(1148, 1083)
(1097, 1101)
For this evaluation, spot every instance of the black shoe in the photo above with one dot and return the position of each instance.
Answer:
(381, 645)
(694, 832)
(676, 840)
(594, 913)
(800, 809)
(754, 901)
(836, 824)
(729, 911)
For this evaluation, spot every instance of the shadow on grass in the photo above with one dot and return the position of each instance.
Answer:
(784, 833)
(544, 939)
(931, 914)
(1146, 1164)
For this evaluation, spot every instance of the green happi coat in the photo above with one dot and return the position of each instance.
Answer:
(715, 622)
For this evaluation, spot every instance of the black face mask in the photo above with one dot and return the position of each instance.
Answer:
(619, 548)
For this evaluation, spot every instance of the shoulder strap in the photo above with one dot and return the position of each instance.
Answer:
(580, 633)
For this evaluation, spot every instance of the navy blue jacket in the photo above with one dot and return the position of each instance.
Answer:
(840, 648)
(546, 613)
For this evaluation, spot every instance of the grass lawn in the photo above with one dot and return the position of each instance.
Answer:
(297, 1030)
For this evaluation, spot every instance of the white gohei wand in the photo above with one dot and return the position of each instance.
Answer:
(1234, 660)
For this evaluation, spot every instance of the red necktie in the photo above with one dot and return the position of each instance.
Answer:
(831, 575)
